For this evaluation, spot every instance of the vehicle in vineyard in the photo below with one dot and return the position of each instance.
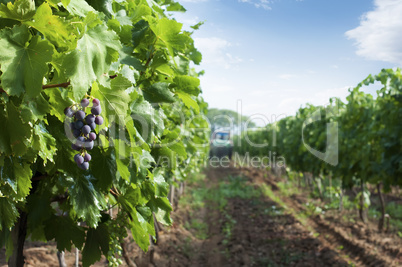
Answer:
(221, 145)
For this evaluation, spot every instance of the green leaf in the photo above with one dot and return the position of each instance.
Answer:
(159, 92)
(176, 7)
(87, 201)
(138, 225)
(187, 84)
(161, 187)
(197, 26)
(36, 108)
(13, 140)
(19, 10)
(44, 143)
(39, 210)
(23, 63)
(162, 208)
(169, 35)
(164, 157)
(57, 102)
(114, 100)
(54, 28)
(95, 51)
(103, 167)
(8, 214)
(79, 8)
(123, 158)
(96, 243)
(65, 231)
(188, 101)
(147, 120)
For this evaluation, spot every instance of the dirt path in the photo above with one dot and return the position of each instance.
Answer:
(237, 217)
(249, 231)
(362, 245)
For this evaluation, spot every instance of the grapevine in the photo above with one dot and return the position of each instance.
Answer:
(132, 61)
(368, 139)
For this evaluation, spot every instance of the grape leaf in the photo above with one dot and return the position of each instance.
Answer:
(161, 186)
(139, 229)
(97, 241)
(123, 158)
(79, 7)
(95, 51)
(159, 92)
(23, 64)
(187, 84)
(8, 213)
(39, 208)
(19, 10)
(14, 140)
(162, 208)
(87, 201)
(65, 231)
(103, 167)
(114, 100)
(54, 28)
(188, 101)
(57, 102)
(35, 108)
(147, 120)
(164, 157)
(176, 7)
(169, 35)
(44, 143)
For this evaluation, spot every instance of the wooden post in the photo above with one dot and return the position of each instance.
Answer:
(60, 257)
(381, 221)
(18, 235)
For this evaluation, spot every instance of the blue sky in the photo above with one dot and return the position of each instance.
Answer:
(274, 56)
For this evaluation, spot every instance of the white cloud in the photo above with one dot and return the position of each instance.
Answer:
(286, 76)
(379, 36)
(264, 4)
(215, 52)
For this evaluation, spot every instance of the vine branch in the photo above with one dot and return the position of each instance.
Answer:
(63, 85)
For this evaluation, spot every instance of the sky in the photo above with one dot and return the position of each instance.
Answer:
(266, 58)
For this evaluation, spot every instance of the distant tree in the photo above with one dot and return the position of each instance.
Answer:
(228, 120)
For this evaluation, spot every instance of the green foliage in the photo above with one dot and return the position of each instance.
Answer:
(136, 60)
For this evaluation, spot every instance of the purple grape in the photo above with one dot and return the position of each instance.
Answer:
(90, 119)
(86, 129)
(68, 112)
(75, 147)
(72, 126)
(76, 133)
(87, 157)
(78, 125)
(80, 141)
(89, 144)
(80, 115)
(85, 102)
(84, 166)
(99, 120)
(95, 102)
(93, 126)
(92, 136)
(96, 110)
(78, 159)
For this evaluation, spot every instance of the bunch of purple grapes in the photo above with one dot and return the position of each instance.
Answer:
(83, 128)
